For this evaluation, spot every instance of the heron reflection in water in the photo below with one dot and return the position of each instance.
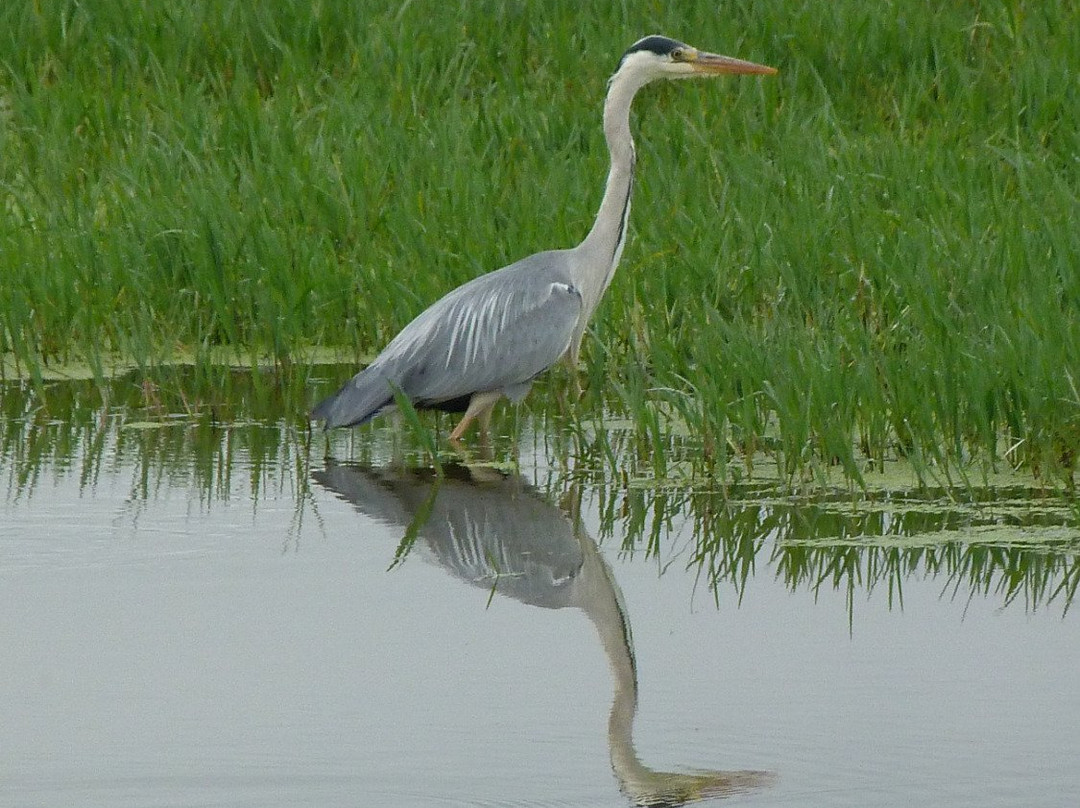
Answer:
(495, 530)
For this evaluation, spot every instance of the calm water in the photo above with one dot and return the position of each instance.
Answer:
(207, 612)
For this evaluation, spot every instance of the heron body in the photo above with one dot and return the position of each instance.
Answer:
(492, 336)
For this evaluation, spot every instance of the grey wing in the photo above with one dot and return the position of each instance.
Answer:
(359, 400)
(498, 332)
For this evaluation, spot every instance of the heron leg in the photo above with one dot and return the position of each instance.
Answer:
(480, 407)
(485, 422)
(571, 358)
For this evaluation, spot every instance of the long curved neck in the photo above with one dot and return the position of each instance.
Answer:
(602, 247)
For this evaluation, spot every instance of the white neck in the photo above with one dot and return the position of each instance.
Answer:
(602, 248)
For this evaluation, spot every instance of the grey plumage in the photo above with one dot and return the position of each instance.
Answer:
(492, 336)
(497, 332)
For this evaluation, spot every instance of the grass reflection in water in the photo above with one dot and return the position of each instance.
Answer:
(220, 432)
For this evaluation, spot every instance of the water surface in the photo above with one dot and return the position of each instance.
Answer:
(208, 606)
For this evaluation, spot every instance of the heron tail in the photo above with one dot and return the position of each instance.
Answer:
(359, 400)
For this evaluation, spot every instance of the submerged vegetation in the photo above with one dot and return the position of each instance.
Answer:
(872, 255)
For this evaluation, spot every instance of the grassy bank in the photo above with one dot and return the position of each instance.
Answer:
(875, 252)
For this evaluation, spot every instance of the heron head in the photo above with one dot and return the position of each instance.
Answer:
(655, 57)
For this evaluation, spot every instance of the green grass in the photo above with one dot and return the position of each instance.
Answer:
(874, 253)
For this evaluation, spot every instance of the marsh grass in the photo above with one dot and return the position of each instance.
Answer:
(874, 254)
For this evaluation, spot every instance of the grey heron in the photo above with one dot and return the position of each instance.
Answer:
(492, 336)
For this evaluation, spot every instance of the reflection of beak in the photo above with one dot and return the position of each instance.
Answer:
(715, 64)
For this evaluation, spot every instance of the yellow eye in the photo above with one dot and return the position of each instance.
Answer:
(678, 54)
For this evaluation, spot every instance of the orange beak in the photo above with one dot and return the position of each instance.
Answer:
(715, 64)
